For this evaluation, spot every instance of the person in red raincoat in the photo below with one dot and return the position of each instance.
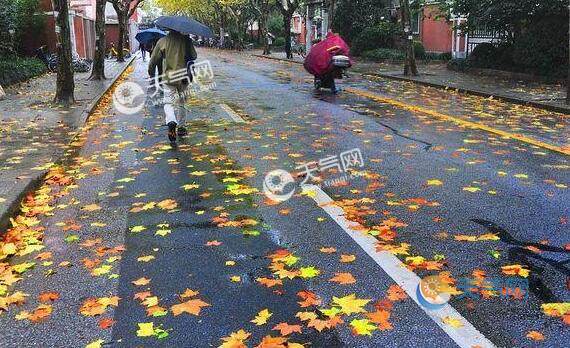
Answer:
(319, 61)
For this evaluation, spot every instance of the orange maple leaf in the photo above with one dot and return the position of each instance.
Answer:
(272, 342)
(396, 293)
(269, 282)
(46, 297)
(381, 317)
(191, 307)
(106, 323)
(343, 278)
(287, 329)
(535, 336)
(189, 293)
(308, 299)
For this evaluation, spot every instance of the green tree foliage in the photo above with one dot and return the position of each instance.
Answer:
(352, 17)
(381, 35)
(534, 33)
(23, 18)
(509, 16)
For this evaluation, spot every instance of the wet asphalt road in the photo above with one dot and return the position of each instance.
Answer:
(438, 179)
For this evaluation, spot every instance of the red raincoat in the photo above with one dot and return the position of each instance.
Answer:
(319, 60)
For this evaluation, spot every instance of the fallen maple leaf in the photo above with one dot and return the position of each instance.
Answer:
(343, 278)
(350, 304)
(106, 323)
(308, 299)
(272, 342)
(191, 307)
(269, 282)
(380, 318)
(262, 317)
(396, 293)
(141, 281)
(362, 327)
(46, 297)
(287, 329)
(535, 336)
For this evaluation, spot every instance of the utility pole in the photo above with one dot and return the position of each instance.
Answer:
(308, 29)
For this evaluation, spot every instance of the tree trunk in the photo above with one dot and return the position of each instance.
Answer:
(410, 67)
(122, 17)
(65, 84)
(287, 26)
(568, 78)
(331, 12)
(98, 70)
(264, 35)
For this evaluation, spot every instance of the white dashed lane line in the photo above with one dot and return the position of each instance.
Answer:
(466, 336)
(232, 114)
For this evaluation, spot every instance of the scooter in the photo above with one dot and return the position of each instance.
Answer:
(339, 63)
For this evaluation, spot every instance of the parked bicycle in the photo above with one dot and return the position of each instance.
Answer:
(299, 49)
(49, 59)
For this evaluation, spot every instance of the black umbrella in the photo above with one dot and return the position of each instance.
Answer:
(184, 25)
(151, 34)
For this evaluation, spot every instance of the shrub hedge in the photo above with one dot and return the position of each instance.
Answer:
(14, 69)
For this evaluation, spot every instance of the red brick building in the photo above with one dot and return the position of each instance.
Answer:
(82, 28)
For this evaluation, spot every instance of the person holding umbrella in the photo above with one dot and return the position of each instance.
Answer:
(172, 52)
(175, 51)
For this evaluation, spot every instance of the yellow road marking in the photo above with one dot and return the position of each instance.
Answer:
(459, 121)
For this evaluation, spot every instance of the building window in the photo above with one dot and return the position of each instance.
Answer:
(416, 22)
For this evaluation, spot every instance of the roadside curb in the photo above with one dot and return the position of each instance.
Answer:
(275, 58)
(509, 99)
(512, 100)
(13, 206)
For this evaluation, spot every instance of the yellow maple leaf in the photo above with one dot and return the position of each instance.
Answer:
(91, 207)
(262, 317)
(362, 327)
(95, 344)
(350, 304)
(453, 322)
(145, 258)
(145, 329)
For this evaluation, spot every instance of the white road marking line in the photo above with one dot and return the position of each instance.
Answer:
(232, 114)
(466, 336)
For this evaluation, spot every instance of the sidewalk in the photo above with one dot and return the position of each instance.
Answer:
(541, 95)
(544, 96)
(34, 133)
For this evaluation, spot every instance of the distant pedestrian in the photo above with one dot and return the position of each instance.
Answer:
(173, 51)
(143, 51)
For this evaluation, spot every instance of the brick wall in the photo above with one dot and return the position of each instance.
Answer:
(79, 36)
(435, 33)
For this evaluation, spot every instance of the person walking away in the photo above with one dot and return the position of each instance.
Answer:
(173, 51)
(143, 51)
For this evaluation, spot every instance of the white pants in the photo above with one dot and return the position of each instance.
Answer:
(174, 104)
